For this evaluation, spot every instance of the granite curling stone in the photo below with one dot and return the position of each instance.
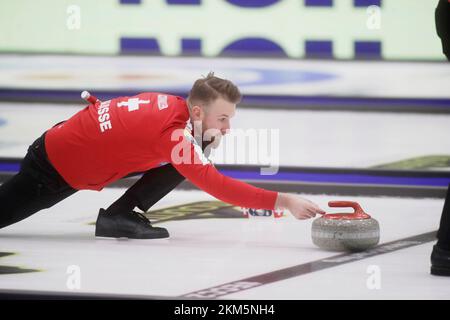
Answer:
(355, 231)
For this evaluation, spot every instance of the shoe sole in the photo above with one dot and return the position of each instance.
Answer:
(119, 236)
(439, 271)
(126, 238)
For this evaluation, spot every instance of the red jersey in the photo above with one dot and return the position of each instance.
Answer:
(107, 141)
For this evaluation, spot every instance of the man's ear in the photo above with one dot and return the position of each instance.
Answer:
(197, 112)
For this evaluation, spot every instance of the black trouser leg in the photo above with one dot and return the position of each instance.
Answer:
(37, 186)
(444, 227)
(442, 18)
(22, 196)
(149, 189)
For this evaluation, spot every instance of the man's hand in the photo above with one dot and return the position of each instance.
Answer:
(300, 208)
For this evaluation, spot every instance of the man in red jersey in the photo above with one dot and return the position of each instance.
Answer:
(151, 133)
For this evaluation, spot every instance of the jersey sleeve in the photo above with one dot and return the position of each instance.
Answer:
(180, 148)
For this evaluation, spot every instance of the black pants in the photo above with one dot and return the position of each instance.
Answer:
(444, 226)
(38, 186)
(442, 18)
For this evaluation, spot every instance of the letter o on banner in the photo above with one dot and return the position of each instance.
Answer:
(252, 3)
(254, 46)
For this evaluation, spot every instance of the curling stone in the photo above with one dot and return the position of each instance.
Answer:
(355, 231)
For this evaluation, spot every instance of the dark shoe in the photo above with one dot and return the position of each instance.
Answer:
(440, 262)
(132, 225)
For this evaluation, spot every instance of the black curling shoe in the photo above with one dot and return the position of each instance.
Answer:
(132, 225)
(440, 262)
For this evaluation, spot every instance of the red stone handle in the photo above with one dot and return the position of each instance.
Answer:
(357, 214)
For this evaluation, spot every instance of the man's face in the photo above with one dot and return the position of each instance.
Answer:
(215, 119)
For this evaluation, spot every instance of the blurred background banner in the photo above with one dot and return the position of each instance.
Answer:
(330, 29)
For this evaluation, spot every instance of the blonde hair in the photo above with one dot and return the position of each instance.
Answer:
(206, 90)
